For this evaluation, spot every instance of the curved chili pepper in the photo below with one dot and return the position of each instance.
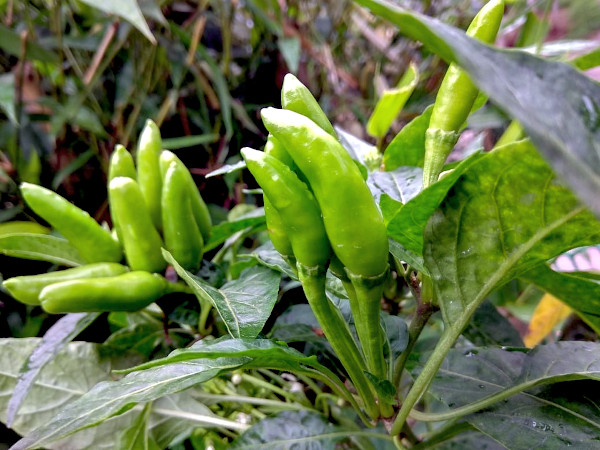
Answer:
(27, 288)
(180, 231)
(455, 97)
(139, 237)
(298, 98)
(199, 208)
(148, 171)
(94, 243)
(121, 164)
(131, 291)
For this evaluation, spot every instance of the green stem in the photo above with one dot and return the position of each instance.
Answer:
(424, 379)
(271, 387)
(205, 310)
(422, 315)
(336, 330)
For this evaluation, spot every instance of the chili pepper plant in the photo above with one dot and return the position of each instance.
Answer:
(364, 312)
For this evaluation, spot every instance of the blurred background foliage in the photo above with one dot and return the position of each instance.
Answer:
(79, 76)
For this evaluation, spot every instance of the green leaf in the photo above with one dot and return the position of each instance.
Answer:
(61, 333)
(126, 9)
(582, 294)
(257, 353)
(267, 256)
(408, 147)
(40, 247)
(396, 334)
(407, 226)
(402, 184)
(110, 398)
(220, 233)
(7, 96)
(490, 328)
(244, 304)
(539, 94)
(504, 216)
(361, 152)
(74, 370)
(533, 417)
(10, 41)
(189, 141)
(292, 429)
(19, 227)
(291, 51)
(391, 103)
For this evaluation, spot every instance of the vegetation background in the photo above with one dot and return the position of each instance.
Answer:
(79, 77)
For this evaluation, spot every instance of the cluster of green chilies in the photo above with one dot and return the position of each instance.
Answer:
(154, 206)
(320, 213)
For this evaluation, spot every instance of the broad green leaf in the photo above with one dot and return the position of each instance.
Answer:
(110, 398)
(267, 256)
(136, 435)
(402, 184)
(408, 147)
(391, 103)
(18, 226)
(7, 96)
(126, 9)
(362, 152)
(220, 233)
(255, 352)
(490, 328)
(505, 215)
(539, 94)
(408, 224)
(292, 429)
(74, 370)
(409, 257)
(40, 248)
(61, 333)
(532, 416)
(244, 304)
(579, 292)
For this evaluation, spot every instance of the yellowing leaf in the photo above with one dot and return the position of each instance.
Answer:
(548, 313)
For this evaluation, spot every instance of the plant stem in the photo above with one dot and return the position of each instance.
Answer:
(422, 315)
(336, 330)
(266, 385)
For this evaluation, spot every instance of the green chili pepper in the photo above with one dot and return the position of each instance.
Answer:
(94, 243)
(27, 289)
(275, 226)
(199, 208)
(139, 238)
(295, 204)
(128, 292)
(455, 97)
(121, 164)
(353, 222)
(148, 171)
(301, 219)
(180, 231)
(298, 98)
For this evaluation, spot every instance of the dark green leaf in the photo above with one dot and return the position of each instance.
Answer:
(189, 141)
(402, 184)
(580, 293)
(506, 215)
(110, 398)
(267, 256)
(220, 233)
(408, 147)
(7, 96)
(292, 429)
(361, 152)
(244, 304)
(10, 42)
(489, 327)
(60, 334)
(40, 248)
(407, 226)
(539, 94)
(414, 260)
(396, 333)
